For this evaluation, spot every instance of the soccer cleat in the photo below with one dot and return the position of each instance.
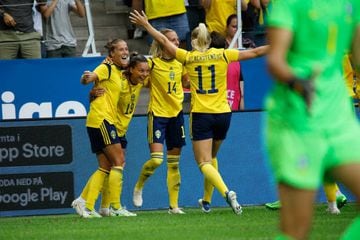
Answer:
(121, 212)
(137, 198)
(205, 206)
(175, 211)
(233, 203)
(333, 210)
(79, 205)
(341, 200)
(90, 214)
(105, 212)
(274, 205)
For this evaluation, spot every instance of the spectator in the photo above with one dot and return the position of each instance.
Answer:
(18, 38)
(217, 11)
(165, 14)
(235, 80)
(60, 40)
(253, 21)
(38, 26)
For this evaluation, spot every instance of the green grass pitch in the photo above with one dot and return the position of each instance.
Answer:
(255, 222)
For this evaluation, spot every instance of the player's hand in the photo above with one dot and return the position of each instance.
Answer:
(96, 92)
(304, 87)
(87, 77)
(138, 18)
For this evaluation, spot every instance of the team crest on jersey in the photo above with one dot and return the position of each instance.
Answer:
(113, 134)
(157, 134)
(303, 162)
(172, 74)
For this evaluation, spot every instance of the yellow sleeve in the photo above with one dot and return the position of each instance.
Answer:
(348, 75)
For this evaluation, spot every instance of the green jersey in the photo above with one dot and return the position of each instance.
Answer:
(322, 32)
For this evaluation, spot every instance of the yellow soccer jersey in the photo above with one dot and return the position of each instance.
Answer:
(163, 8)
(166, 92)
(348, 75)
(105, 107)
(207, 71)
(129, 96)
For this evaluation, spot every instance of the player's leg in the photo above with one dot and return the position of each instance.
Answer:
(296, 210)
(95, 184)
(298, 172)
(349, 175)
(205, 127)
(175, 140)
(173, 180)
(205, 201)
(330, 189)
(156, 137)
(106, 197)
(147, 171)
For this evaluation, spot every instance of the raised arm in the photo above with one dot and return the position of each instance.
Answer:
(253, 53)
(141, 19)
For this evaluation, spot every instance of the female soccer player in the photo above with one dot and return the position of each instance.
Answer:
(210, 113)
(165, 120)
(107, 122)
(312, 133)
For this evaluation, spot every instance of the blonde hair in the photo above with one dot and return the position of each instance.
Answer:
(200, 38)
(156, 49)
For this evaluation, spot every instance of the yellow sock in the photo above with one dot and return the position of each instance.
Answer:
(208, 187)
(330, 190)
(173, 179)
(214, 177)
(105, 196)
(86, 189)
(115, 186)
(148, 168)
(95, 184)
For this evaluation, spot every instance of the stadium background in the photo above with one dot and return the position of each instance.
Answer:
(45, 156)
